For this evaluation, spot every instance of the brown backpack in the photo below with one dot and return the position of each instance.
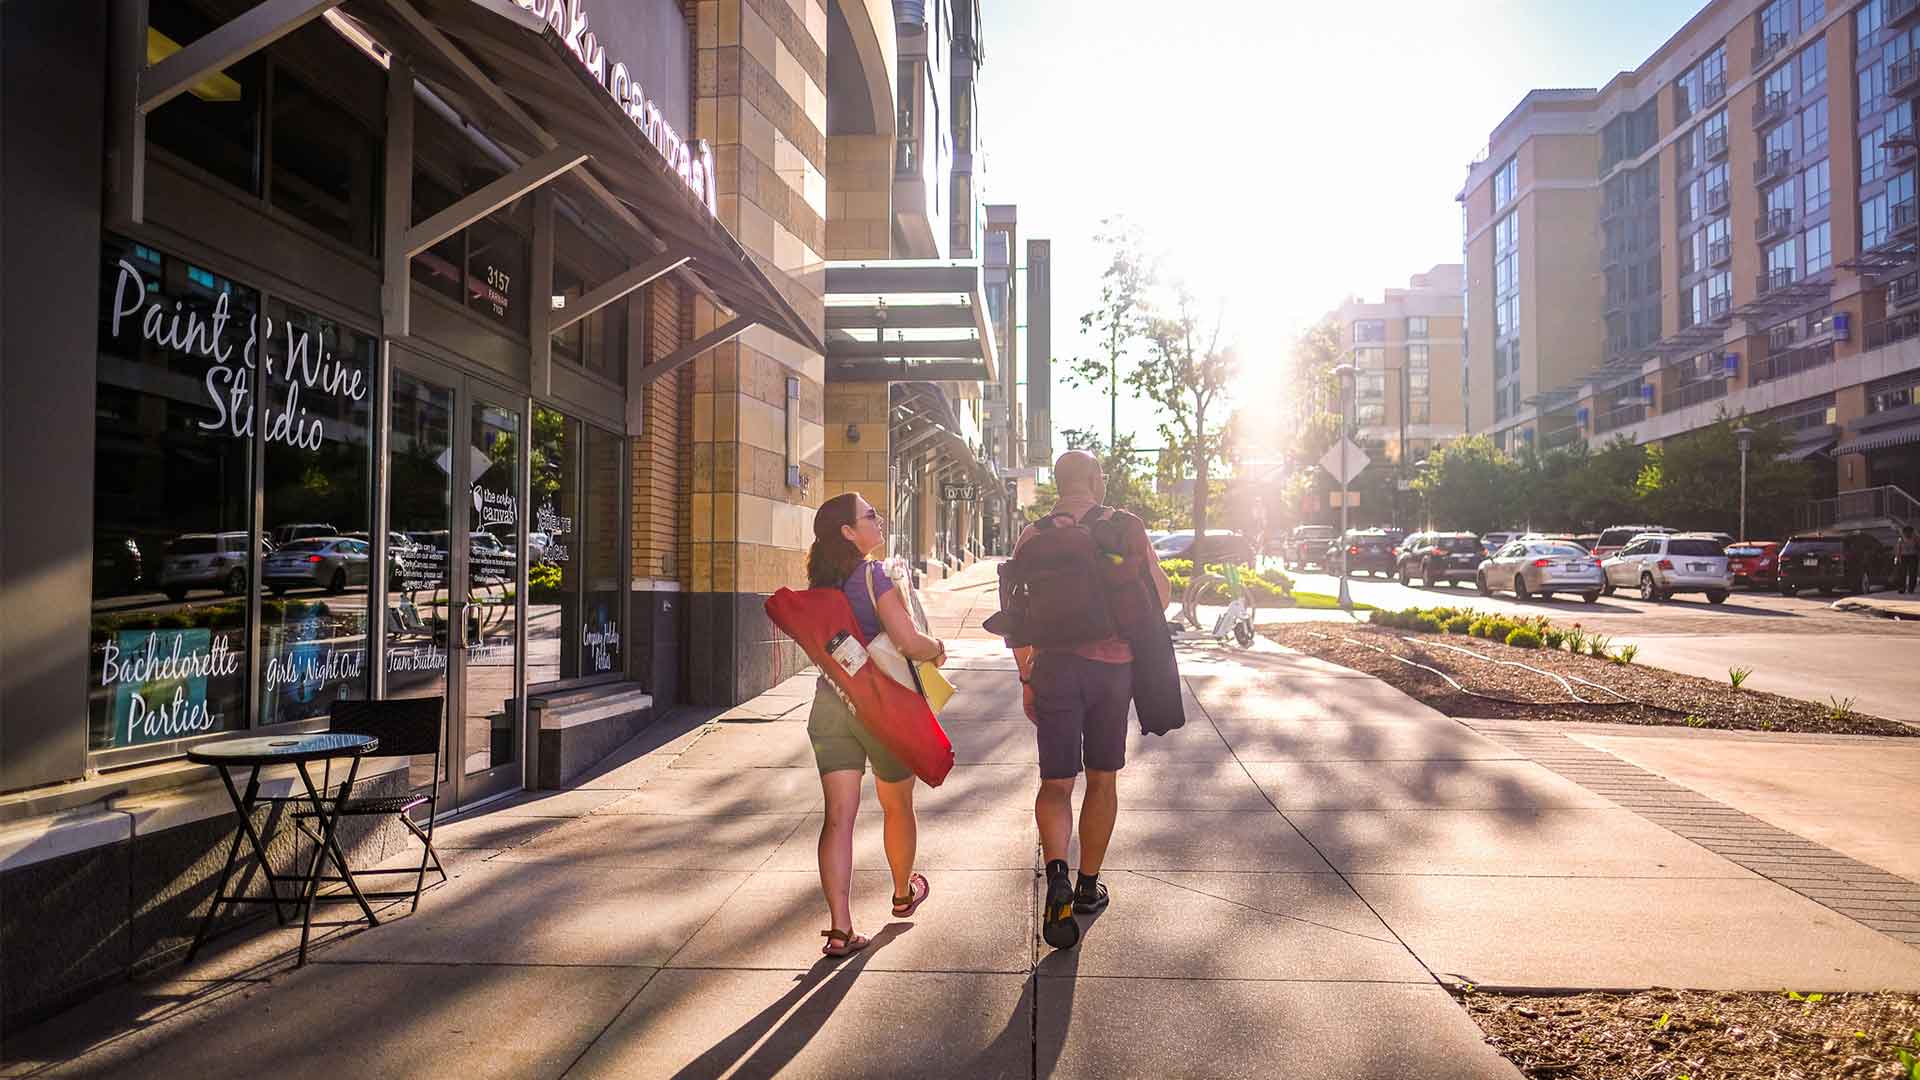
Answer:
(1066, 585)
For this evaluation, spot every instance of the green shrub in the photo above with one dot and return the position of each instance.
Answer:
(1553, 637)
(1458, 624)
(1427, 623)
(1380, 617)
(1183, 567)
(1597, 646)
(1522, 637)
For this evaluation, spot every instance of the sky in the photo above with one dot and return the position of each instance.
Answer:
(1281, 154)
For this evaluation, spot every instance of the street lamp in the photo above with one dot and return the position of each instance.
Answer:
(1743, 435)
(1426, 515)
(1344, 373)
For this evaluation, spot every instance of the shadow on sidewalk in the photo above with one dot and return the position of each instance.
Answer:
(765, 1044)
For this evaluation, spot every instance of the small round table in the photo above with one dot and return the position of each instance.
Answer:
(261, 752)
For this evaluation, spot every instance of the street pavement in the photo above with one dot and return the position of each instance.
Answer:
(1801, 646)
(1296, 876)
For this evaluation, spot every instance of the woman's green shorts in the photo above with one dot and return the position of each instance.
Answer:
(841, 741)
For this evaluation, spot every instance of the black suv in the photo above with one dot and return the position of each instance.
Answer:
(1437, 558)
(1369, 550)
(1833, 562)
(1307, 546)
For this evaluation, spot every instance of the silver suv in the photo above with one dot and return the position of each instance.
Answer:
(1659, 565)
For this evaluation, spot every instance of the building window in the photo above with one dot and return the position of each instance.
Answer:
(1720, 292)
(1866, 23)
(573, 597)
(1813, 67)
(1416, 327)
(1420, 412)
(1810, 13)
(1873, 156)
(1778, 83)
(1873, 86)
(1370, 413)
(1780, 198)
(216, 124)
(1873, 221)
(597, 342)
(1813, 184)
(1506, 276)
(1819, 247)
(1813, 128)
(482, 267)
(1370, 330)
(1778, 141)
(1783, 262)
(1371, 359)
(1894, 393)
(325, 164)
(1505, 183)
(175, 491)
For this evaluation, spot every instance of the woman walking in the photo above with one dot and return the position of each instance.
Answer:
(846, 532)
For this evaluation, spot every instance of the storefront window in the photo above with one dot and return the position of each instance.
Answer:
(497, 272)
(597, 342)
(600, 636)
(325, 164)
(419, 517)
(317, 391)
(554, 566)
(172, 490)
(215, 124)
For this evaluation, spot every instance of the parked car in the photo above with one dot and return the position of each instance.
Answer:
(204, 561)
(1441, 558)
(1407, 549)
(1588, 540)
(1614, 538)
(1662, 564)
(1755, 564)
(334, 563)
(1833, 562)
(1541, 568)
(1218, 546)
(1370, 551)
(1307, 546)
(283, 535)
(1494, 541)
(117, 565)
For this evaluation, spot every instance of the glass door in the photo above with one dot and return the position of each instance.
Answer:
(455, 519)
(489, 725)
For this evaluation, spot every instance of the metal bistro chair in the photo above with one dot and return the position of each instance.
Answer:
(405, 727)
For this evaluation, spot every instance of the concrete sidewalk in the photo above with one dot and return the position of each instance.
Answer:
(1295, 875)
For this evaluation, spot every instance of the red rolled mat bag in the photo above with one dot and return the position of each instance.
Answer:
(896, 715)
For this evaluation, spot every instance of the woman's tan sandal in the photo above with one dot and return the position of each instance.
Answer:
(917, 892)
(841, 943)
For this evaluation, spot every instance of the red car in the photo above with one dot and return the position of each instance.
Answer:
(1755, 564)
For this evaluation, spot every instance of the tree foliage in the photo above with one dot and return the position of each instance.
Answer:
(1130, 483)
(1119, 321)
(1186, 374)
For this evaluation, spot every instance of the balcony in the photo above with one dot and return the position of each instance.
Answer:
(1791, 362)
(1718, 308)
(1720, 252)
(1770, 109)
(1716, 145)
(1898, 13)
(1773, 280)
(1712, 91)
(1616, 300)
(1772, 224)
(1903, 76)
(1773, 165)
(1695, 393)
(1903, 291)
(1905, 216)
(1618, 345)
(1621, 417)
(1770, 46)
(1717, 199)
(1896, 328)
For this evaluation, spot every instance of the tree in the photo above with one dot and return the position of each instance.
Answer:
(1313, 399)
(1120, 319)
(1469, 485)
(1185, 374)
(1693, 480)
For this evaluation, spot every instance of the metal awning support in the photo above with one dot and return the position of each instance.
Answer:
(619, 286)
(679, 358)
(232, 41)
(530, 175)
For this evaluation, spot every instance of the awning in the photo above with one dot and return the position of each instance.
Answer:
(505, 66)
(1807, 450)
(890, 321)
(1897, 435)
(928, 422)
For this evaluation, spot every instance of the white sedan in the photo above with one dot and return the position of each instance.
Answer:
(1541, 568)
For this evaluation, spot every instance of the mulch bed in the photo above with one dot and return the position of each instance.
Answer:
(1656, 696)
(1701, 1035)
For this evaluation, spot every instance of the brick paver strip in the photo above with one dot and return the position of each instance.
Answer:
(1866, 894)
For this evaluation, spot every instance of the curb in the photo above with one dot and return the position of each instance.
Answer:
(1878, 611)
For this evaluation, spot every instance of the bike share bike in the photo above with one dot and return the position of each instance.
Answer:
(1236, 622)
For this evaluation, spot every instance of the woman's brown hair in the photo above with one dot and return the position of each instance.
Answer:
(833, 558)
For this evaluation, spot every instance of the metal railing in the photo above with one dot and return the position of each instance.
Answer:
(1903, 290)
(1894, 328)
(1712, 91)
(1903, 76)
(1716, 145)
(1716, 198)
(1772, 45)
(1719, 251)
(1791, 362)
(1884, 503)
(1773, 280)
(1770, 108)
(1905, 215)
(1773, 223)
(1696, 392)
(1772, 166)
(1620, 417)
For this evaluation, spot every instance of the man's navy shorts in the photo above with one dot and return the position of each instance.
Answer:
(1082, 706)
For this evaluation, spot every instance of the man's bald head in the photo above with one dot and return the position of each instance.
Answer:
(1078, 473)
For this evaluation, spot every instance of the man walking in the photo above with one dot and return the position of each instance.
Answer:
(1077, 698)
(1906, 556)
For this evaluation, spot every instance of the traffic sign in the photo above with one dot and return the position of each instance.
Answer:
(1354, 461)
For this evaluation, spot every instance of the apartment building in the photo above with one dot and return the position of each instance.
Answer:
(1408, 350)
(1729, 226)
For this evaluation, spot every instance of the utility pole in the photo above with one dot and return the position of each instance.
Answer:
(1345, 373)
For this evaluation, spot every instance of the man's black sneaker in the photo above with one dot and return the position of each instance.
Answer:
(1058, 927)
(1090, 896)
